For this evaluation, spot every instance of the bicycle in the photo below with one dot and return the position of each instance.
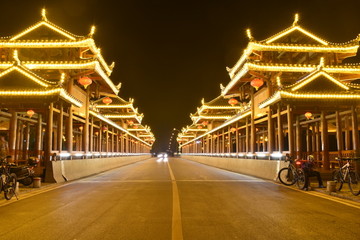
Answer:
(7, 180)
(290, 175)
(347, 174)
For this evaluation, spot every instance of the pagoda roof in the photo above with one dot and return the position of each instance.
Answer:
(117, 102)
(316, 87)
(19, 82)
(276, 43)
(100, 116)
(239, 116)
(64, 39)
(346, 70)
(216, 104)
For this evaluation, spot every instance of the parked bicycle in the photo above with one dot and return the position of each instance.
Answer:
(7, 180)
(291, 174)
(347, 174)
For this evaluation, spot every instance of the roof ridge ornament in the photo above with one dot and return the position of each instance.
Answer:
(321, 64)
(278, 81)
(118, 86)
(248, 33)
(62, 79)
(296, 19)
(222, 87)
(43, 14)
(16, 57)
(112, 66)
(92, 30)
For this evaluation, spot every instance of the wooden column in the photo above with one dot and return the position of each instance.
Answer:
(91, 138)
(237, 138)
(308, 141)
(290, 130)
(107, 139)
(355, 131)
(38, 137)
(270, 132)
(69, 131)
(339, 136)
(27, 141)
(112, 140)
(280, 130)
(324, 141)
(252, 124)
(318, 141)
(117, 141)
(223, 141)
(347, 134)
(49, 130)
(85, 133)
(12, 135)
(100, 139)
(247, 136)
(60, 124)
(229, 140)
(19, 141)
(313, 140)
(298, 137)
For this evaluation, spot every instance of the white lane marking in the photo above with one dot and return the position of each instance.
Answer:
(176, 233)
(328, 197)
(26, 195)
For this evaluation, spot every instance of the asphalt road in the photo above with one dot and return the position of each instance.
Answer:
(176, 199)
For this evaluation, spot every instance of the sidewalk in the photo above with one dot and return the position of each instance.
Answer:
(26, 189)
(345, 192)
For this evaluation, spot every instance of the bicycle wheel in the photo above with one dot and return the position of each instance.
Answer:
(354, 183)
(300, 183)
(337, 177)
(9, 189)
(287, 176)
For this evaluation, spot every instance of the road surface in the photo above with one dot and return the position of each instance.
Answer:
(176, 199)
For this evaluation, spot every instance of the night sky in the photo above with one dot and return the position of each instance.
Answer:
(171, 54)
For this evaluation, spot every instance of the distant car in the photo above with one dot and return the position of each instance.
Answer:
(162, 155)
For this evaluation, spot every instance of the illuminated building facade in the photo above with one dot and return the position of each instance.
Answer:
(302, 99)
(57, 100)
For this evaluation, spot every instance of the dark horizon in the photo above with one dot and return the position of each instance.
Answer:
(170, 55)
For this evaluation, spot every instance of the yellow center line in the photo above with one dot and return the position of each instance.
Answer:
(176, 214)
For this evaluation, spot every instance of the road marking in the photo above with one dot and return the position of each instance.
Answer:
(26, 195)
(176, 233)
(184, 180)
(324, 196)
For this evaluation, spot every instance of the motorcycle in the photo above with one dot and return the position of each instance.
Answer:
(25, 173)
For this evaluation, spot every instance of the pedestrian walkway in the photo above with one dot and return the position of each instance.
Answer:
(345, 192)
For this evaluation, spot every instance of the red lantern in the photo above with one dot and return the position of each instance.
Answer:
(233, 129)
(308, 115)
(135, 126)
(233, 101)
(199, 127)
(130, 122)
(205, 123)
(85, 81)
(256, 83)
(30, 113)
(107, 100)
